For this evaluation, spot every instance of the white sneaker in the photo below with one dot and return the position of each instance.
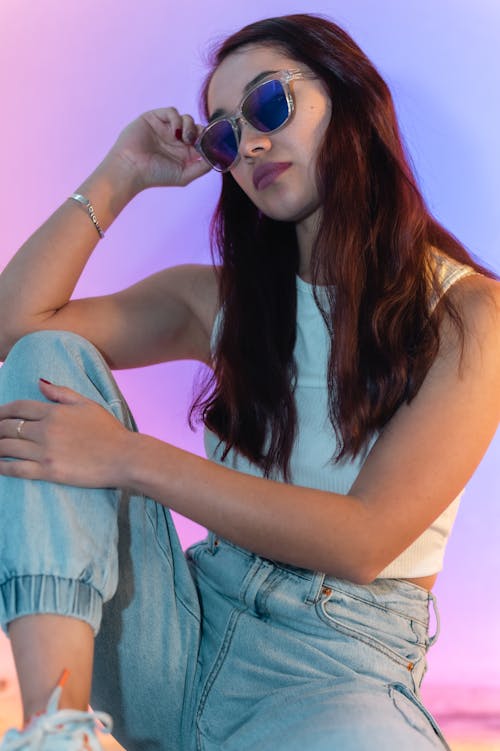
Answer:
(59, 729)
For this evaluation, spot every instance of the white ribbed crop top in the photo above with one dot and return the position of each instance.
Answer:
(310, 463)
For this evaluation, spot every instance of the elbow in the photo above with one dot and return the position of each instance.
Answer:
(369, 552)
(365, 578)
(362, 575)
(357, 571)
(368, 567)
(369, 570)
(362, 558)
(365, 566)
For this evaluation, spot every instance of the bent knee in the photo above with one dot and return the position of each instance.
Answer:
(45, 341)
(57, 356)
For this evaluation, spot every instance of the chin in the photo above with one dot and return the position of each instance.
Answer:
(285, 213)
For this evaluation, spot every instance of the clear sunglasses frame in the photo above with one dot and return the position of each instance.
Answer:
(284, 77)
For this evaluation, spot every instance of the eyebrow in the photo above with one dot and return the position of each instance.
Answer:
(219, 112)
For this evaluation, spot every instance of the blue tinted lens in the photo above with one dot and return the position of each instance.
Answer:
(266, 108)
(219, 145)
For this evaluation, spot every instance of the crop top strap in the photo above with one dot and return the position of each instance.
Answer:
(448, 272)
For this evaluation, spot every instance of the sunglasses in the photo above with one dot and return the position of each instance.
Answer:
(267, 107)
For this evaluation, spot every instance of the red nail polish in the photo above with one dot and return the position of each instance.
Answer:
(178, 134)
(45, 381)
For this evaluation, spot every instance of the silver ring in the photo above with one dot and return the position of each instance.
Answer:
(19, 428)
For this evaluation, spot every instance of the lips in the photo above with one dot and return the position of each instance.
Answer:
(265, 174)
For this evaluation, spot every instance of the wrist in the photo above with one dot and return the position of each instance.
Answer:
(110, 187)
(123, 171)
(134, 469)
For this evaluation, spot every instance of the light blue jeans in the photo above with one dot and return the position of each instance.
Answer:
(217, 649)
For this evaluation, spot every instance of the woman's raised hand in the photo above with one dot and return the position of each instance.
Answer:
(159, 146)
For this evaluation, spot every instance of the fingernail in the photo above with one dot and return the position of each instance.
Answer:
(178, 134)
(45, 381)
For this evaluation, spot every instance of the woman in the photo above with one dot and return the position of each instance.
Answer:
(350, 336)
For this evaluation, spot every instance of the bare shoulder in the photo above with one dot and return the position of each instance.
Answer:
(166, 316)
(475, 293)
(477, 299)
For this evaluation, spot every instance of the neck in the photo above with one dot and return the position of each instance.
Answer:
(306, 234)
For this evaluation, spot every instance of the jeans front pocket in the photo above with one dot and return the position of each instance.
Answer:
(381, 626)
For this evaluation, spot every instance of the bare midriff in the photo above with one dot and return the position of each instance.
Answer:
(427, 582)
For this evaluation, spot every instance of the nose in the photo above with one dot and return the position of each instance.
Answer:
(252, 141)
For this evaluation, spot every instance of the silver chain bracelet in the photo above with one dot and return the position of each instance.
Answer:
(90, 209)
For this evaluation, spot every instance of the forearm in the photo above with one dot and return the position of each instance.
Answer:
(301, 526)
(42, 275)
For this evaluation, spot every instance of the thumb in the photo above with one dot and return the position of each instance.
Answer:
(61, 394)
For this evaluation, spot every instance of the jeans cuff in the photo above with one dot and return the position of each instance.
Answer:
(36, 594)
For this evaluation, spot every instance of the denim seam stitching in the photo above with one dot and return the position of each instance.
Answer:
(370, 641)
(377, 605)
(273, 581)
(106, 567)
(401, 690)
(241, 551)
(315, 590)
(248, 579)
(214, 672)
(167, 560)
(107, 374)
(246, 554)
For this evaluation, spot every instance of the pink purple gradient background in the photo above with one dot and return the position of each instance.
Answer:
(72, 75)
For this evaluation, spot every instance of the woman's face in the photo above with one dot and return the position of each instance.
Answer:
(290, 194)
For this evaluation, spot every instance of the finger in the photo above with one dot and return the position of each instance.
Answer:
(166, 114)
(28, 409)
(164, 128)
(18, 428)
(61, 394)
(19, 449)
(28, 470)
(189, 130)
(165, 118)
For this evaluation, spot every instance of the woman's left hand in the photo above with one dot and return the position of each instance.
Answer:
(72, 440)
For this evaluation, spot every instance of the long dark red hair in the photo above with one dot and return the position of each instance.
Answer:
(371, 252)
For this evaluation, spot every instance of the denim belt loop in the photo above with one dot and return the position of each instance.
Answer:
(315, 590)
(433, 639)
(213, 542)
